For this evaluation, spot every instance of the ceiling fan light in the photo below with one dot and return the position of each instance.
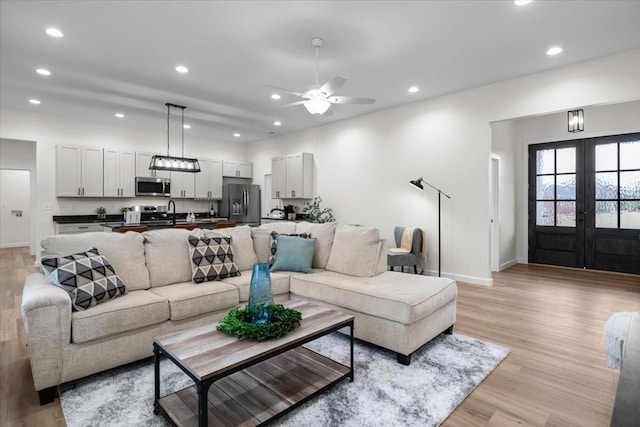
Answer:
(317, 105)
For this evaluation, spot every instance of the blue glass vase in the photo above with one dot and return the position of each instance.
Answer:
(260, 296)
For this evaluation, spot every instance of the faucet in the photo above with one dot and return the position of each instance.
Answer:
(171, 202)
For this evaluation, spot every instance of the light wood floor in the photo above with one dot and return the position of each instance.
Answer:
(552, 320)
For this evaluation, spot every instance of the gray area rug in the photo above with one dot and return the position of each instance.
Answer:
(384, 392)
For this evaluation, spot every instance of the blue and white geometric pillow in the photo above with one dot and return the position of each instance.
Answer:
(88, 277)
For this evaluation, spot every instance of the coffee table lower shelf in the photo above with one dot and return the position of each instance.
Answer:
(260, 393)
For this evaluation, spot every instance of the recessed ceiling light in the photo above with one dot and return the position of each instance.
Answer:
(413, 89)
(119, 115)
(186, 126)
(54, 32)
(275, 96)
(277, 123)
(237, 135)
(522, 2)
(182, 69)
(35, 101)
(554, 51)
(43, 72)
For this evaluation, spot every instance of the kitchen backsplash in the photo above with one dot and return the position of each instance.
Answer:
(69, 206)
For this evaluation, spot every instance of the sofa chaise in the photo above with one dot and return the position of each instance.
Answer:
(396, 311)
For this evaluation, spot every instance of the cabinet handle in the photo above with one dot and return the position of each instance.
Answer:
(83, 228)
(79, 193)
(277, 194)
(293, 193)
(83, 191)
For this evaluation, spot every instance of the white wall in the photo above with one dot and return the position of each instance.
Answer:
(48, 131)
(14, 198)
(363, 165)
(599, 120)
(21, 155)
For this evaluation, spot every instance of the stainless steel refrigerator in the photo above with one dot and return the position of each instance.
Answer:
(241, 203)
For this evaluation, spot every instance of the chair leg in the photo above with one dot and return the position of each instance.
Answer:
(47, 395)
(415, 269)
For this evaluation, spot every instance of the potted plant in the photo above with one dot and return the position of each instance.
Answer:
(317, 214)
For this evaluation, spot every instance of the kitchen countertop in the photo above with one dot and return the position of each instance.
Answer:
(83, 219)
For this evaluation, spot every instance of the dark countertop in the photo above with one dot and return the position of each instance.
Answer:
(165, 224)
(82, 219)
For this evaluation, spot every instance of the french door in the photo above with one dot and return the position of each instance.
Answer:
(584, 203)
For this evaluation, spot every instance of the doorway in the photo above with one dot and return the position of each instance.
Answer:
(495, 213)
(584, 203)
(15, 201)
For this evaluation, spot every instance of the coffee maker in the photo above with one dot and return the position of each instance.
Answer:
(290, 212)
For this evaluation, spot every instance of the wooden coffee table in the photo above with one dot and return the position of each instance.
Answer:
(245, 382)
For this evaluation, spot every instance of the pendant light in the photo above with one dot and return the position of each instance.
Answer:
(575, 120)
(170, 163)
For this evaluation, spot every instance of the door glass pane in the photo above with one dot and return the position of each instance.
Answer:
(544, 213)
(566, 214)
(607, 157)
(607, 214)
(544, 162)
(566, 160)
(545, 188)
(630, 214)
(630, 185)
(606, 185)
(630, 155)
(566, 187)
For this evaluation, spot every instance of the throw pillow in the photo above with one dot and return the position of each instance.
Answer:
(212, 258)
(274, 243)
(88, 277)
(355, 251)
(294, 254)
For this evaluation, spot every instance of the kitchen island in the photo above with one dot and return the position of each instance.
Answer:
(209, 223)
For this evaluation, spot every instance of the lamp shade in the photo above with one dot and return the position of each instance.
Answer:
(575, 120)
(417, 183)
(317, 104)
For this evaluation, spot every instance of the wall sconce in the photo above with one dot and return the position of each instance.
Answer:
(575, 120)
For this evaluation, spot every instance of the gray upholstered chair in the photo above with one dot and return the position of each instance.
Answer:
(406, 258)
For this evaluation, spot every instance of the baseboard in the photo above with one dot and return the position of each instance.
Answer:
(460, 278)
(13, 245)
(508, 264)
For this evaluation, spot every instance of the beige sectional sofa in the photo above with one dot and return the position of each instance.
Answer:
(397, 311)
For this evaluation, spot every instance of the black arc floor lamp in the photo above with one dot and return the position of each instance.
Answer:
(418, 184)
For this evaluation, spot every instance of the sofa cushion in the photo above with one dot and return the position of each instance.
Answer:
(125, 252)
(189, 299)
(399, 297)
(294, 254)
(355, 251)
(243, 253)
(134, 310)
(88, 277)
(262, 237)
(324, 233)
(279, 284)
(166, 252)
(212, 258)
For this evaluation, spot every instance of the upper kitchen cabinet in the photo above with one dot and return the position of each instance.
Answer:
(292, 176)
(237, 169)
(119, 173)
(208, 182)
(142, 167)
(183, 185)
(79, 171)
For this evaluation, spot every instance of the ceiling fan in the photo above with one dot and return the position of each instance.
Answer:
(318, 98)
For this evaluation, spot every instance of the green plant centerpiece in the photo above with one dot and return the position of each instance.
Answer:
(317, 214)
(238, 322)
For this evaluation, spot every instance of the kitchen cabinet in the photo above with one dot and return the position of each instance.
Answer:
(79, 171)
(119, 173)
(292, 176)
(208, 182)
(142, 166)
(183, 185)
(279, 177)
(78, 228)
(237, 169)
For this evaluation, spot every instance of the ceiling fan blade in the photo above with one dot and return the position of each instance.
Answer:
(291, 104)
(332, 85)
(350, 100)
(300, 94)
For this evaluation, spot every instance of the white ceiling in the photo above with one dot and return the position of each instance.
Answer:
(120, 56)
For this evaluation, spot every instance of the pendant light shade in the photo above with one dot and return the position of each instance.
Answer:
(575, 120)
(317, 104)
(170, 163)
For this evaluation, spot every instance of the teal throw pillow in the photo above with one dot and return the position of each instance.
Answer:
(294, 254)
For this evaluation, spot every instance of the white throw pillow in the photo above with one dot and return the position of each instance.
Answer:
(355, 251)
(242, 243)
(324, 233)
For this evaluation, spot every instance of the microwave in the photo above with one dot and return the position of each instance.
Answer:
(151, 186)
